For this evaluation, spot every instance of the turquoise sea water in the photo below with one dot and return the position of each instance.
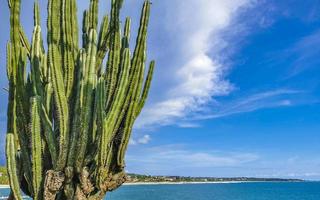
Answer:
(235, 191)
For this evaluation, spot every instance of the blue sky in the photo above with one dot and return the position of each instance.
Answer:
(236, 90)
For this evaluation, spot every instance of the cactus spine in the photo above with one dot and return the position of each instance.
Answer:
(68, 141)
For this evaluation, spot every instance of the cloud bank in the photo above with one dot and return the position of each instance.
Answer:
(175, 159)
(198, 76)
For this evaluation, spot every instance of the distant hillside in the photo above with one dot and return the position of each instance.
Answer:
(132, 178)
(136, 178)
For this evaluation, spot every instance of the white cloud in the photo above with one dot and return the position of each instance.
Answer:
(143, 140)
(198, 77)
(294, 175)
(189, 125)
(268, 99)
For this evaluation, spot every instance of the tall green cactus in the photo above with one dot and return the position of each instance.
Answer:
(70, 116)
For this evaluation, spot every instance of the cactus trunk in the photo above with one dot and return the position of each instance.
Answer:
(70, 116)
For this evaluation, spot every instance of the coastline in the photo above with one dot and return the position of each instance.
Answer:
(182, 183)
(158, 183)
(165, 183)
(179, 183)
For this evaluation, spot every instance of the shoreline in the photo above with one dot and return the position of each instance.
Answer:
(210, 182)
(184, 183)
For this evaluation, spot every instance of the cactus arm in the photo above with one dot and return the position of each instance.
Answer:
(17, 64)
(127, 121)
(126, 34)
(9, 4)
(48, 97)
(40, 47)
(125, 134)
(111, 119)
(36, 15)
(24, 41)
(17, 108)
(137, 73)
(127, 28)
(9, 62)
(35, 62)
(137, 65)
(123, 85)
(93, 14)
(75, 29)
(11, 122)
(54, 57)
(67, 47)
(124, 111)
(114, 41)
(102, 43)
(21, 94)
(139, 80)
(95, 117)
(17, 124)
(103, 34)
(62, 110)
(137, 62)
(36, 148)
(142, 34)
(54, 33)
(15, 26)
(16, 31)
(89, 84)
(139, 55)
(146, 88)
(100, 107)
(76, 123)
(12, 166)
(85, 28)
(113, 65)
(99, 116)
(49, 134)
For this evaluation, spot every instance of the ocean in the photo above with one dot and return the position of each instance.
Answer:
(220, 191)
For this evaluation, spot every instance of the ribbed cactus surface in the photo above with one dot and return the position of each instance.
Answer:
(72, 107)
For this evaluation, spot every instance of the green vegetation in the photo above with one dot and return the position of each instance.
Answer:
(136, 178)
(4, 180)
(70, 115)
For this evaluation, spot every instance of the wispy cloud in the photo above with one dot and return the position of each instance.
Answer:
(188, 125)
(298, 57)
(268, 99)
(297, 175)
(306, 53)
(197, 76)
